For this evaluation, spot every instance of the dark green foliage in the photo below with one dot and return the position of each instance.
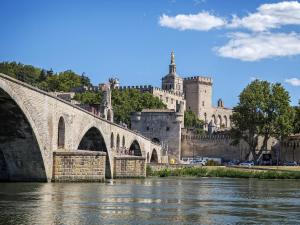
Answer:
(47, 80)
(20, 71)
(263, 111)
(127, 101)
(64, 81)
(297, 120)
(89, 97)
(191, 121)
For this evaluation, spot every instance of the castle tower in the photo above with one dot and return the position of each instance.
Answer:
(198, 95)
(172, 82)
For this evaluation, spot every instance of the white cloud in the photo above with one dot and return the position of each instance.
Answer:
(253, 47)
(202, 21)
(293, 81)
(269, 16)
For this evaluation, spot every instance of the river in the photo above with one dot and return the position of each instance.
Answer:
(152, 201)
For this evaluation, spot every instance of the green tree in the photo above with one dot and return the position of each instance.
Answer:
(263, 111)
(297, 119)
(128, 101)
(191, 120)
(89, 97)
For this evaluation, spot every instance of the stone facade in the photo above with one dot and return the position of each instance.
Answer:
(130, 167)
(161, 126)
(198, 93)
(78, 166)
(289, 150)
(213, 146)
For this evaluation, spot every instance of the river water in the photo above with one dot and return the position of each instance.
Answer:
(153, 201)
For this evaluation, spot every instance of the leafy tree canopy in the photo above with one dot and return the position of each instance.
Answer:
(44, 79)
(191, 120)
(297, 119)
(263, 111)
(127, 101)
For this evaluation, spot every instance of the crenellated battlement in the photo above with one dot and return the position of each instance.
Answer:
(201, 79)
(205, 137)
(168, 92)
(137, 87)
(149, 88)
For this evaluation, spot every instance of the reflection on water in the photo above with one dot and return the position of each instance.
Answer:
(152, 201)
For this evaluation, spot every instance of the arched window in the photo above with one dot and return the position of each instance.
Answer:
(225, 122)
(156, 140)
(61, 133)
(123, 142)
(118, 141)
(112, 141)
(220, 121)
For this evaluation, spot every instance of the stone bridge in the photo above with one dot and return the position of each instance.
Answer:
(34, 125)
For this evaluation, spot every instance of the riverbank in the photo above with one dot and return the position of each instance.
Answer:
(216, 171)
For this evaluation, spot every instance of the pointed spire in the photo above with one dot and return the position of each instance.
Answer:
(172, 66)
(172, 57)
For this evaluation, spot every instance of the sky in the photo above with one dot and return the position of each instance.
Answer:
(232, 41)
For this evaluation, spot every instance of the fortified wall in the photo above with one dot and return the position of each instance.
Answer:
(161, 126)
(290, 149)
(213, 146)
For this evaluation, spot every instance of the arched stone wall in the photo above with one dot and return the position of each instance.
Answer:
(93, 140)
(135, 148)
(154, 156)
(22, 157)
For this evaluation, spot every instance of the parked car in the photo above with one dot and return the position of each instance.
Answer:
(233, 163)
(247, 163)
(201, 162)
(290, 163)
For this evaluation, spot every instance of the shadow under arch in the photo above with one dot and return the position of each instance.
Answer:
(94, 141)
(20, 154)
(154, 157)
(135, 148)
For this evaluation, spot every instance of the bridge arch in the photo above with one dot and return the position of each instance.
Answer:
(154, 157)
(61, 133)
(20, 142)
(93, 140)
(135, 148)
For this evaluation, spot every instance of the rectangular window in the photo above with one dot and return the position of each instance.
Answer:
(202, 103)
(167, 99)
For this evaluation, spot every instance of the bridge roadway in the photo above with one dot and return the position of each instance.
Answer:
(34, 124)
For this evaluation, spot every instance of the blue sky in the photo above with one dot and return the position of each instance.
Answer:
(233, 41)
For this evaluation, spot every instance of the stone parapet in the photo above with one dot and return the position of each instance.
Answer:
(129, 167)
(201, 79)
(79, 166)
